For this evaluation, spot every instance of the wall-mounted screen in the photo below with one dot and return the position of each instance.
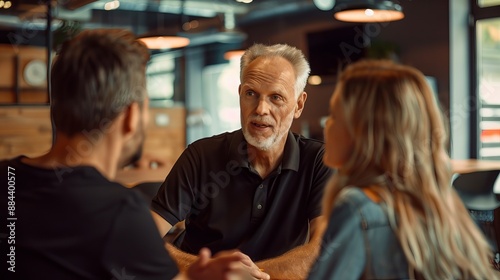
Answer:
(331, 50)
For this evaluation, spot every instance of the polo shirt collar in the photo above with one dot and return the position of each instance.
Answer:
(291, 155)
(238, 149)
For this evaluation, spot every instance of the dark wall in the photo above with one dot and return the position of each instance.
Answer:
(422, 40)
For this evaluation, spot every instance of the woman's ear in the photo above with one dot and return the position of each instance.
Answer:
(301, 101)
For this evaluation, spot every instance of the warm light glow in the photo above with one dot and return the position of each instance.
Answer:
(194, 23)
(494, 32)
(244, 1)
(164, 42)
(1, 3)
(314, 80)
(360, 15)
(236, 54)
(190, 25)
(112, 5)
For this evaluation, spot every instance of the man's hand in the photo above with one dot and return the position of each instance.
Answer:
(224, 265)
(252, 268)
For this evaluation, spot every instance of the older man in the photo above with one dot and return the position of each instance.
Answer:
(257, 189)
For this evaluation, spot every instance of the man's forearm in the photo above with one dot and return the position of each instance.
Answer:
(294, 264)
(183, 259)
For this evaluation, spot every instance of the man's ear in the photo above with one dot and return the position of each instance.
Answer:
(131, 119)
(301, 101)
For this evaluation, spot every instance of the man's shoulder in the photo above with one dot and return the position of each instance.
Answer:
(97, 194)
(310, 150)
(12, 162)
(224, 136)
(217, 142)
(308, 143)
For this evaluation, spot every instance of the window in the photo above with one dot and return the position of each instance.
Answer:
(220, 84)
(487, 79)
(488, 86)
(160, 77)
(488, 3)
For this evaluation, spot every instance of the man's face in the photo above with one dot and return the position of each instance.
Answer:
(267, 101)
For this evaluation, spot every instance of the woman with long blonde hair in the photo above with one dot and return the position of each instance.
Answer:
(392, 212)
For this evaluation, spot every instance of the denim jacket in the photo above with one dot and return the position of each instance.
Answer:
(359, 242)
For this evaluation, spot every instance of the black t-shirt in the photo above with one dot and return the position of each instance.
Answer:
(75, 224)
(227, 205)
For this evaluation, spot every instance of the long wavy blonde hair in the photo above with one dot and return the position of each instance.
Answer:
(399, 152)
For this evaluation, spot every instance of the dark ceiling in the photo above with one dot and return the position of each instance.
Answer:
(146, 16)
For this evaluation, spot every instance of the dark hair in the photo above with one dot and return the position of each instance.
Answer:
(96, 76)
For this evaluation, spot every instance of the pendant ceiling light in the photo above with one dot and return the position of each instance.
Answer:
(163, 39)
(234, 54)
(368, 11)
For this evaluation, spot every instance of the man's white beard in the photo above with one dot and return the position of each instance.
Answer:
(267, 143)
(263, 145)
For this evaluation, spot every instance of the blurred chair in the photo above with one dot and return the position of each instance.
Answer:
(476, 189)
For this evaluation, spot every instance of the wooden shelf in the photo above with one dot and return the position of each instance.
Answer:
(13, 87)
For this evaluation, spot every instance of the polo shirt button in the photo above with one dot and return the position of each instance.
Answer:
(261, 186)
(259, 206)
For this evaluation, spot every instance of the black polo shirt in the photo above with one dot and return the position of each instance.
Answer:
(227, 205)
